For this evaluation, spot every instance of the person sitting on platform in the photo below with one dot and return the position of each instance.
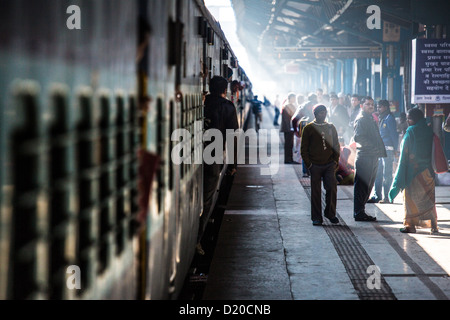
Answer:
(345, 174)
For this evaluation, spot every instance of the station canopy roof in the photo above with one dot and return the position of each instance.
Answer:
(310, 30)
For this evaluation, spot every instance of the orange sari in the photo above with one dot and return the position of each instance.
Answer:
(419, 199)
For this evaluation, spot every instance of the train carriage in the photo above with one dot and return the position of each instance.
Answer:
(92, 205)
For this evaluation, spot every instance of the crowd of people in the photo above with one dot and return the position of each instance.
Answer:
(348, 139)
(344, 139)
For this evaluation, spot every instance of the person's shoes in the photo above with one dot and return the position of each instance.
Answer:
(434, 231)
(317, 223)
(334, 220)
(373, 200)
(364, 217)
(385, 201)
(408, 230)
(305, 175)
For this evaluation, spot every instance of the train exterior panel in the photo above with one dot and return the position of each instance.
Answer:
(86, 115)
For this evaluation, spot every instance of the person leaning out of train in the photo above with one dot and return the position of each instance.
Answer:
(220, 113)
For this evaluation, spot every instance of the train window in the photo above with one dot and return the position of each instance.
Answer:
(210, 36)
(171, 144)
(226, 71)
(224, 52)
(234, 63)
(186, 111)
(87, 167)
(61, 193)
(26, 144)
(183, 125)
(107, 178)
(201, 27)
(183, 111)
(193, 127)
(197, 107)
(175, 42)
(184, 60)
(209, 60)
(160, 148)
(122, 149)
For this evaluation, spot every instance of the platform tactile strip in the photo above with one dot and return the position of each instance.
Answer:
(352, 254)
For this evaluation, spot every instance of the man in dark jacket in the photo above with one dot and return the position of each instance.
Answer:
(220, 113)
(370, 147)
(320, 152)
(389, 134)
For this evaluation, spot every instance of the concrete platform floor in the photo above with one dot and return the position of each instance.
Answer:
(268, 248)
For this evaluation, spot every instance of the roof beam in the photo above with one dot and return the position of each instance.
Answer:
(337, 25)
(327, 52)
(311, 3)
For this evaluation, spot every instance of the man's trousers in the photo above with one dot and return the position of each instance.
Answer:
(328, 173)
(365, 174)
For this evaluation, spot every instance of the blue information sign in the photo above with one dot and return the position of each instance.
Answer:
(430, 71)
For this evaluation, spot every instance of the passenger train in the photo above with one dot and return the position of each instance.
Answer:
(92, 207)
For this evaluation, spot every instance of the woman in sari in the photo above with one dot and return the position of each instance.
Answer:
(415, 175)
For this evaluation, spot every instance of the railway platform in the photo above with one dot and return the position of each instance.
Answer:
(268, 249)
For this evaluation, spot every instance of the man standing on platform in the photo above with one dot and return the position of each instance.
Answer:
(320, 152)
(369, 147)
(287, 112)
(389, 134)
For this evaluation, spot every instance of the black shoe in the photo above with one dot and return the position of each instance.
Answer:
(317, 223)
(334, 220)
(373, 200)
(364, 217)
(408, 230)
